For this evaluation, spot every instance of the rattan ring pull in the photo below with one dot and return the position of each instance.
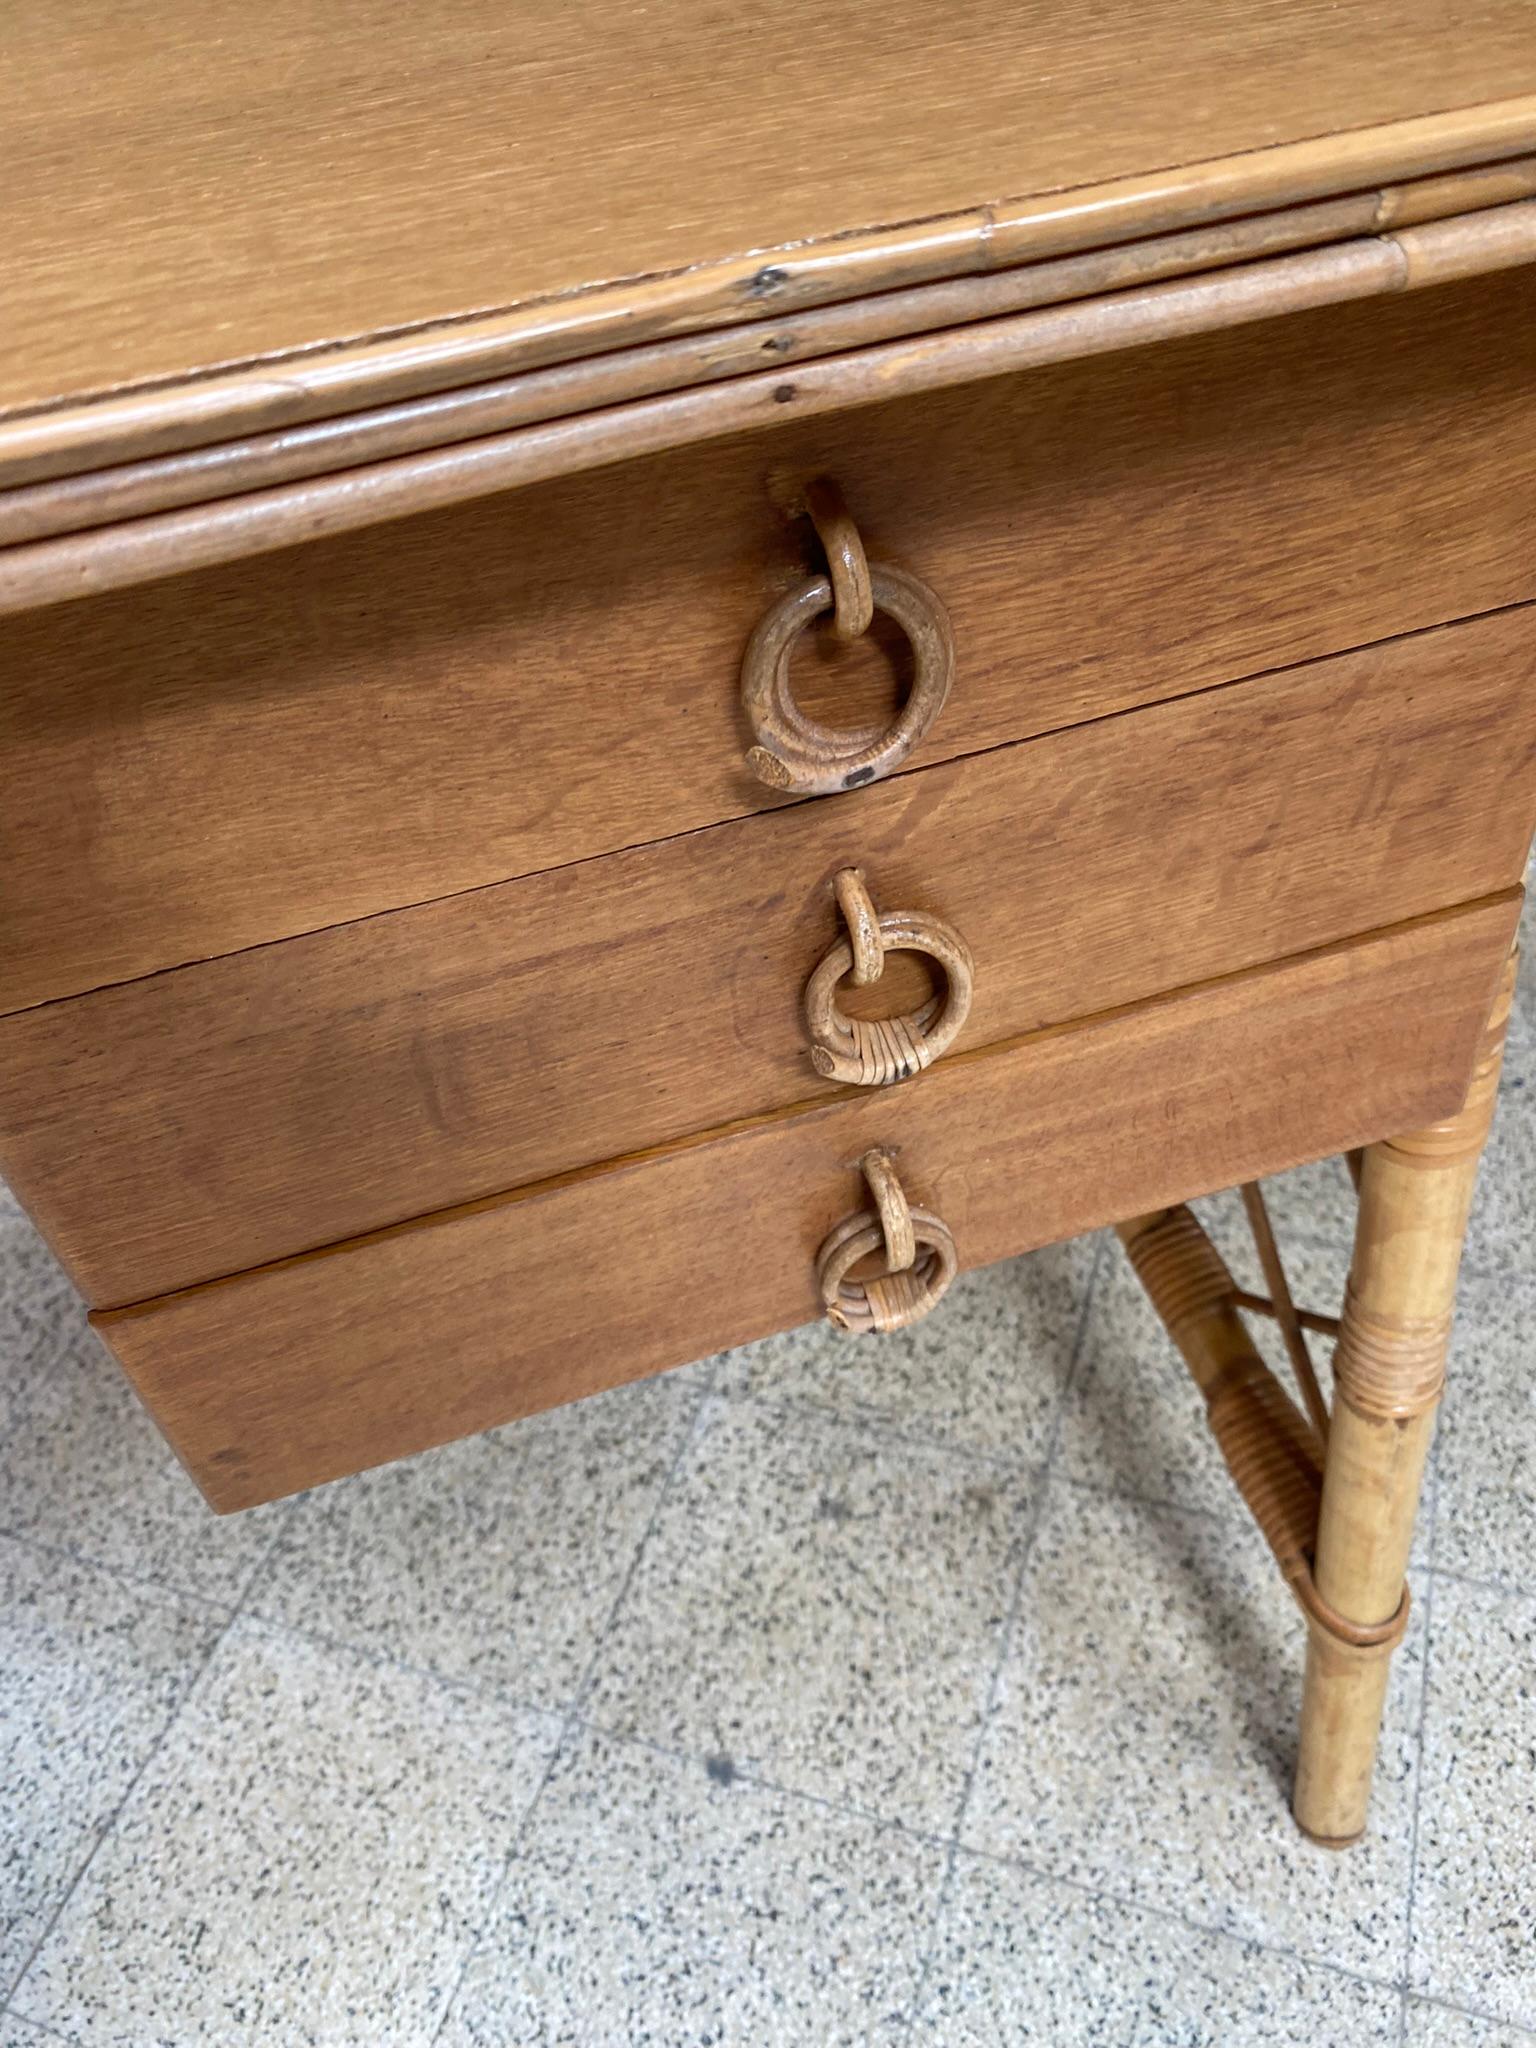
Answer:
(874, 1053)
(918, 1250)
(799, 754)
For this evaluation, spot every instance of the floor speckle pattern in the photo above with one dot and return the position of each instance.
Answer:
(817, 1694)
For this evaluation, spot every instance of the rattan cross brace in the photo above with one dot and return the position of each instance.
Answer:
(1274, 1454)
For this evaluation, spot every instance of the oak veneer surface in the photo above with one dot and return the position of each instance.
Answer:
(212, 529)
(194, 1123)
(222, 759)
(217, 182)
(284, 1377)
(1362, 244)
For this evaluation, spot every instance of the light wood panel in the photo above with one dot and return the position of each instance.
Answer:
(198, 1122)
(227, 185)
(283, 1378)
(223, 759)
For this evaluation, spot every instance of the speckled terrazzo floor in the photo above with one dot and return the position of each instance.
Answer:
(929, 1691)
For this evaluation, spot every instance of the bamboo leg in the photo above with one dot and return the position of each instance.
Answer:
(1389, 1368)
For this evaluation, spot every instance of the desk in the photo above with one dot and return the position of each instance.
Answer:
(657, 682)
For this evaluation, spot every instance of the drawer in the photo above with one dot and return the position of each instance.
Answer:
(284, 1377)
(206, 1120)
(223, 759)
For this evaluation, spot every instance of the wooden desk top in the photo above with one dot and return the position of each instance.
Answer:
(212, 183)
(281, 273)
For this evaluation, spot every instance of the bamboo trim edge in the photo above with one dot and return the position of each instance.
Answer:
(159, 544)
(348, 373)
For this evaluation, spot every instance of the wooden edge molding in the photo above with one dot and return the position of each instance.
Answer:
(255, 461)
(258, 461)
(346, 376)
(138, 545)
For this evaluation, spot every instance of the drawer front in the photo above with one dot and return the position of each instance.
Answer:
(223, 759)
(285, 1377)
(203, 1121)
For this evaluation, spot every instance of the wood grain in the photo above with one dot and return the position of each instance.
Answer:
(83, 565)
(198, 1122)
(222, 188)
(286, 1377)
(132, 489)
(73, 494)
(220, 760)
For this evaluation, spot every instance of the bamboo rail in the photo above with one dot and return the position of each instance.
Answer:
(1273, 1452)
(1397, 171)
(107, 558)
